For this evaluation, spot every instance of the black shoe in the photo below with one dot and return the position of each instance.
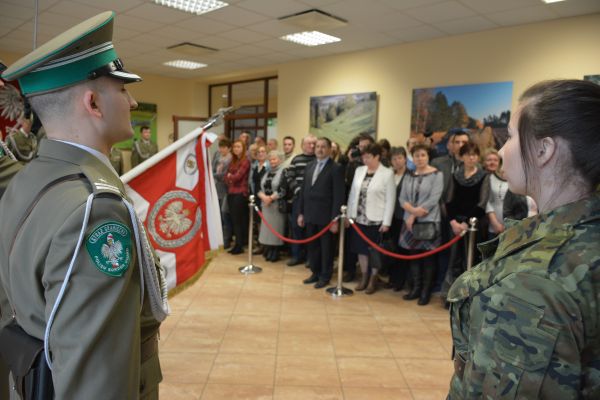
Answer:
(293, 262)
(274, 256)
(236, 250)
(321, 284)
(311, 279)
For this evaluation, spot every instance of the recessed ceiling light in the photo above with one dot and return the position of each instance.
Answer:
(551, 1)
(184, 64)
(193, 6)
(314, 38)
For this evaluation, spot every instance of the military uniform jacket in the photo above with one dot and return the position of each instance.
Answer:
(116, 160)
(525, 322)
(100, 330)
(8, 169)
(142, 150)
(22, 145)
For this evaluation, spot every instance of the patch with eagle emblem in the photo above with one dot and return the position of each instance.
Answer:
(109, 247)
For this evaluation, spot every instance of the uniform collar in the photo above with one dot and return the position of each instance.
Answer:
(99, 172)
(93, 152)
(557, 222)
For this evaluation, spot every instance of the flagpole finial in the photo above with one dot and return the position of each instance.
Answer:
(217, 118)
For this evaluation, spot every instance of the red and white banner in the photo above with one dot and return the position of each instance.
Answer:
(174, 195)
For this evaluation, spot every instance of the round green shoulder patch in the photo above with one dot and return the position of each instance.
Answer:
(109, 246)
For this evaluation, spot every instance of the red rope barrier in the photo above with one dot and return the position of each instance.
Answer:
(295, 241)
(402, 256)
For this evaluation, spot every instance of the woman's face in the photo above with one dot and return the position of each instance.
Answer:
(511, 154)
(398, 162)
(334, 149)
(470, 159)
(261, 154)
(372, 162)
(223, 150)
(492, 162)
(237, 149)
(274, 161)
(420, 158)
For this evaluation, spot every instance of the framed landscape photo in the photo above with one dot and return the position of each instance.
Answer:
(481, 109)
(343, 116)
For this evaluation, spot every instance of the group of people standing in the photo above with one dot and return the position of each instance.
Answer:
(399, 199)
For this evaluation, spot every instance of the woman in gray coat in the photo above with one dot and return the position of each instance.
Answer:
(272, 189)
(420, 198)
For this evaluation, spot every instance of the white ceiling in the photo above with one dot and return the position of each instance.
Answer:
(247, 32)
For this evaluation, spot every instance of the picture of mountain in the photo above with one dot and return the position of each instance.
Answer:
(341, 117)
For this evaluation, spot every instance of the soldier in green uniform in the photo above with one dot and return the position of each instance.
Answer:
(9, 166)
(22, 142)
(76, 267)
(116, 159)
(526, 321)
(144, 148)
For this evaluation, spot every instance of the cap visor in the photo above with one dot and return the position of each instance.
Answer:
(125, 76)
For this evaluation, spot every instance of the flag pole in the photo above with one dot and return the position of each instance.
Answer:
(167, 151)
(250, 268)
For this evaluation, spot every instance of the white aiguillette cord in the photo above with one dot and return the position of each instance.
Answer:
(155, 279)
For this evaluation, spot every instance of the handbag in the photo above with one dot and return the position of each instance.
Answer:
(284, 206)
(424, 230)
(25, 358)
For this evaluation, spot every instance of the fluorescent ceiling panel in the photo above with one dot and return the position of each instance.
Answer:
(184, 64)
(193, 6)
(313, 38)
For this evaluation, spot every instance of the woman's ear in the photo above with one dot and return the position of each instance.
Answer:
(90, 103)
(546, 149)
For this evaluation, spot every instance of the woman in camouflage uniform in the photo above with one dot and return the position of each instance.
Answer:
(526, 321)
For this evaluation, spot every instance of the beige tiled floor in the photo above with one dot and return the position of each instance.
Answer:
(268, 336)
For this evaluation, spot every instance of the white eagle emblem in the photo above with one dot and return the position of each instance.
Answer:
(112, 250)
(175, 221)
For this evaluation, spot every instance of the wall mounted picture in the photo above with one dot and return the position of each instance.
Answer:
(144, 115)
(592, 78)
(343, 116)
(482, 109)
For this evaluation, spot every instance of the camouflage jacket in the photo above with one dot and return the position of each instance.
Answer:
(525, 322)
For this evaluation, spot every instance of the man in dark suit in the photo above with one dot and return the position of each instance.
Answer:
(321, 196)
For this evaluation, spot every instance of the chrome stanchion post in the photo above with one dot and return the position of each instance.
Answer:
(339, 290)
(250, 268)
(471, 249)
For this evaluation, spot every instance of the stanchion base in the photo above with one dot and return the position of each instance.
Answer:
(339, 291)
(250, 269)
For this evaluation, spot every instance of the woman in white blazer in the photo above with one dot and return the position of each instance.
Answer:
(371, 205)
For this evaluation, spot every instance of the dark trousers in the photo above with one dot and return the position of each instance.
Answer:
(320, 252)
(350, 257)
(298, 250)
(398, 268)
(238, 209)
(225, 223)
(443, 257)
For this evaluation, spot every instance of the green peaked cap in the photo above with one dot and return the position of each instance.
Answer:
(83, 52)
